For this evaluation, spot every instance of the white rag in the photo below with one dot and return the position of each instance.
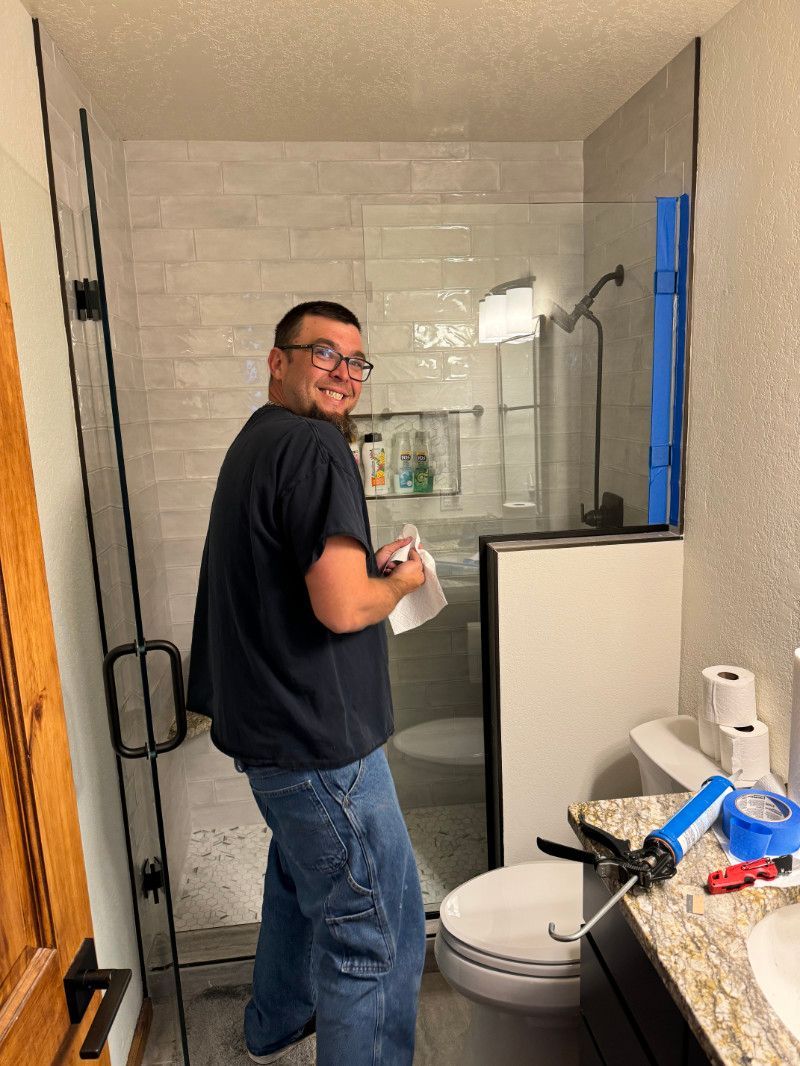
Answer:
(424, 602)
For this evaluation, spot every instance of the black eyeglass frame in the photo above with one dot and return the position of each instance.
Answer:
(349, 360)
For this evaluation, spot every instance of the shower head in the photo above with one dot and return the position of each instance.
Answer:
(564, 319)
(568, 320)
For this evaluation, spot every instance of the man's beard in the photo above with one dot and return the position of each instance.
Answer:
(343, 422)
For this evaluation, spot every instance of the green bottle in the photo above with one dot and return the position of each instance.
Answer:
(421, 472)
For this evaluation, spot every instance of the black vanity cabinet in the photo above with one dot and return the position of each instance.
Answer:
(628, 1016)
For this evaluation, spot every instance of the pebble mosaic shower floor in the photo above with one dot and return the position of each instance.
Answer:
(223, 877)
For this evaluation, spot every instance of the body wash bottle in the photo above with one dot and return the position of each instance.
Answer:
(373, 456)
(404, 478)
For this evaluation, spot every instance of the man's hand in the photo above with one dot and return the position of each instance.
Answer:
(410, 574)
(384, 554)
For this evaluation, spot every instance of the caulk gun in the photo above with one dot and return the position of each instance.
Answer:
(656, 860)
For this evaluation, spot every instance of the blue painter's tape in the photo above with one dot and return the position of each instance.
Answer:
(759, 823)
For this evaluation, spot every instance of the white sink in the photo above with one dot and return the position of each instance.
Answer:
(774, 950)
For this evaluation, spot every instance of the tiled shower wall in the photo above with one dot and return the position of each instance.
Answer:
(227, 236)
(65, 96)
(642, 151)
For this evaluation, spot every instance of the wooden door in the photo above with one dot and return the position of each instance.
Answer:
(44, 906)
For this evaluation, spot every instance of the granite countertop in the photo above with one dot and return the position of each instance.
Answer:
(702, 958)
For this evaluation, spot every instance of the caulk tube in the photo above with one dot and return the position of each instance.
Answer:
(688, 824)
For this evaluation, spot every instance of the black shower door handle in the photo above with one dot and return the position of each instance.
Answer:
(112, 702)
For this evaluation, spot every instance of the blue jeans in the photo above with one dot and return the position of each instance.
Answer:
(342, 925)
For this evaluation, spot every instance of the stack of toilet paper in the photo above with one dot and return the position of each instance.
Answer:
(730, 732)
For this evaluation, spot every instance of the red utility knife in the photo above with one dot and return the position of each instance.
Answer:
(743, 874)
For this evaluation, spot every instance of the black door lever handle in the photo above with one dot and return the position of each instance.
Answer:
(81, 982)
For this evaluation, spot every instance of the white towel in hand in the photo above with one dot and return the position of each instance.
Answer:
(424, 602)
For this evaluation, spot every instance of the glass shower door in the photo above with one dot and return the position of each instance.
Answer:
(143, 677)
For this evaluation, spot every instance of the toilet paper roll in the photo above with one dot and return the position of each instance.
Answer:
(729, 696)
(709, 738)
(794, 734)
(744, 750)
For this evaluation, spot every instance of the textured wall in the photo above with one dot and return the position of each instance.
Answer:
(27, 226)
(642, 151)
(742, 500)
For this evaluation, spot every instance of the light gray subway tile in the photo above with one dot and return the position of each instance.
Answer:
(155, 310)
(335, 242)
(514, 149)
(187, 552)
(178, 340)
(203, 462)
(182, 607)
(297, 211)
(62, 138)
(269, 177)
(406, 369)
(173, 178)
(168, 465)
(449, 306)
(327, 150)
(570, 150)
(204, 212)
(161, 245)
(305, 274)
(564, 175)
(255, 338)
(243, 309)
(232, 151)
(214, 278)
(177, 404)
(680, 140)
(149, 277)
(155, 151)
(407, 213)
(236, 403)
(531, 239)
(219, 373)
(159, 374)
(482, 273)
(424, 149)
(242, 243)
(185, 496)
(405, 241)
(183, 525)
(364, 177)
(484, 212)
(389, 338)
(395, 274)
(455, 176)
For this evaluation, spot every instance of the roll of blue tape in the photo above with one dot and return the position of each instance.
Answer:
(760, 823)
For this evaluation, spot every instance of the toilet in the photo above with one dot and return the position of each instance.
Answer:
(493, 946)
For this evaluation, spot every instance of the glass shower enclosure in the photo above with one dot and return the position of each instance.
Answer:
(509, 431)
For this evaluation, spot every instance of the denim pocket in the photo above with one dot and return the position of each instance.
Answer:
(302, 824)
(360, 944)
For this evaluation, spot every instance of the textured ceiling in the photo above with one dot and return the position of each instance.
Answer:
(368, 69)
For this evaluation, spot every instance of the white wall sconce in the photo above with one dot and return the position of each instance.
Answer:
(506, 312)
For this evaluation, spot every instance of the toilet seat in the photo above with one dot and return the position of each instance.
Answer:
(499, 920)
(454, 741)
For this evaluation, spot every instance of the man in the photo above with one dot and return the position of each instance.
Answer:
(289, 660)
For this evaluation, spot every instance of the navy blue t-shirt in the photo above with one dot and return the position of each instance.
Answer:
(281, 688)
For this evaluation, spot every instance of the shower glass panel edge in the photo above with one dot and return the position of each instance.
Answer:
(138, 686)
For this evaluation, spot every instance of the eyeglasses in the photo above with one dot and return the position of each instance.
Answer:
(326, 358)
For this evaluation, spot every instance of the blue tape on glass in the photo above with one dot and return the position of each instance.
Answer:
(760, 823)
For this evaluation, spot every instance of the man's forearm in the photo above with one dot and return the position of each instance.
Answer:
(376, 600)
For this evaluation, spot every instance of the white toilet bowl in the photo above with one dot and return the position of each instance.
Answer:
(493, 947)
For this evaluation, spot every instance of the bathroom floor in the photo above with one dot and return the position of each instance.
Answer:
(223, 878)
(214, 1011)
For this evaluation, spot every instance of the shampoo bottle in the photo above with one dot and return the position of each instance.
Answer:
(373, 455)
(421, 479)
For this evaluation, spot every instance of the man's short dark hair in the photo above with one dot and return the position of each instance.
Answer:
(288, 327)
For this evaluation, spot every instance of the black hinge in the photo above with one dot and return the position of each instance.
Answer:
(152, 878)
(87, 299)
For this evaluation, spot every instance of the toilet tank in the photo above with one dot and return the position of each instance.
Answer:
(669, 755)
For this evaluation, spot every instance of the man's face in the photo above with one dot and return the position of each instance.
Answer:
(305, 389)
